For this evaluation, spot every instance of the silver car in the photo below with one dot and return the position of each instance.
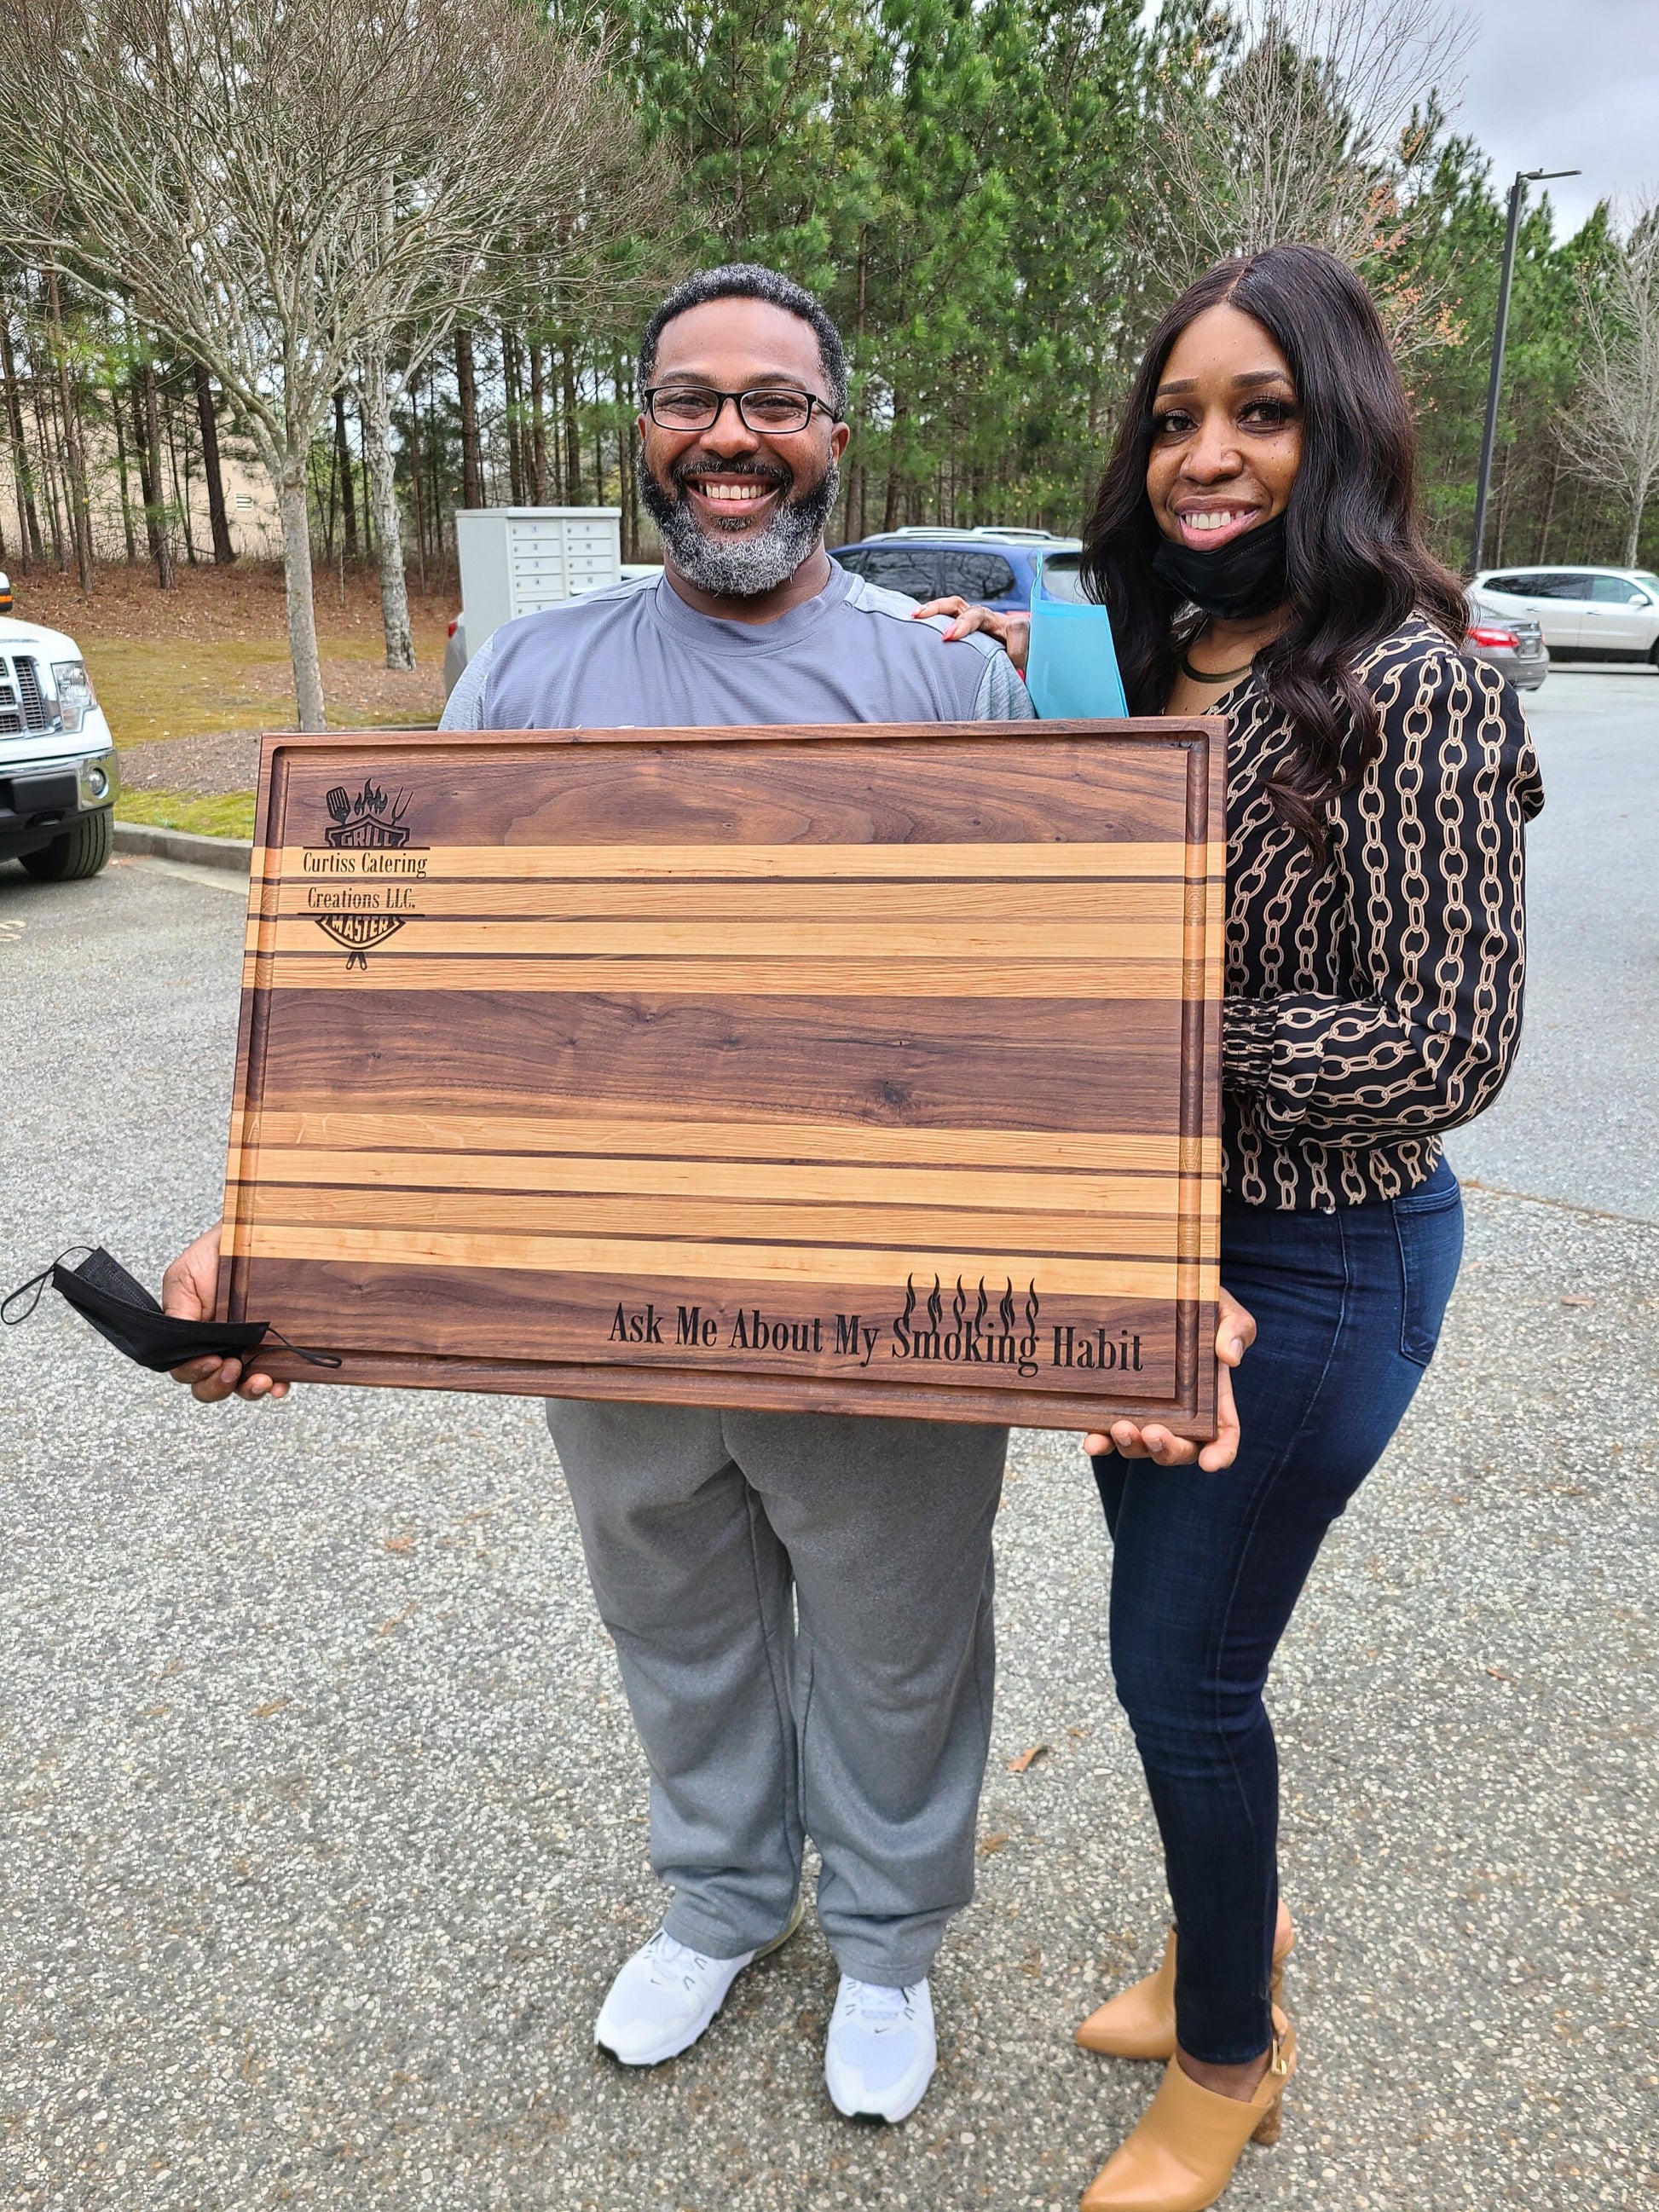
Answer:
(1513, 643)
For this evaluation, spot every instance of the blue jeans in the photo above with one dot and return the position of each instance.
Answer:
(1208, 1567)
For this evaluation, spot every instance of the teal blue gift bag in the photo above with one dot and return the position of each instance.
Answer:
(1072, 672)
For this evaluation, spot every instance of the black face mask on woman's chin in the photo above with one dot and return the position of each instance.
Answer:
(1248, 575)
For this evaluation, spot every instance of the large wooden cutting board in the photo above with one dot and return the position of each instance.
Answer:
(863, 1069)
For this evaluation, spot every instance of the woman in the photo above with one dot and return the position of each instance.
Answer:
(1254, 539)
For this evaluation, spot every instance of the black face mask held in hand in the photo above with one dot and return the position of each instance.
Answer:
(1246, 576)
(101, 1291)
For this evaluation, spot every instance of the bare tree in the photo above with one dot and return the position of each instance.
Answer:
(558, 245)
(74, 457)
(28, 518)
(229, 169)
(374, 400)
(1300, 132)
(624, 196)
(206, 415)
(466, 387)
(156, 518)
(1612, 433)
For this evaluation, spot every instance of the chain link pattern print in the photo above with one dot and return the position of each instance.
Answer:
(1373, 1001)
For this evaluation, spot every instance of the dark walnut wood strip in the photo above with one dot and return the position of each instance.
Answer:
(252, 1037)
(354, 749)
(1060, 1065)
(1200, 1051)
(1036, 1407)
(757, 1329)
(1043, 790)
(653, 1175)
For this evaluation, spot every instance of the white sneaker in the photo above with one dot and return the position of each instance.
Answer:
(881, 2053)
(666, 1994)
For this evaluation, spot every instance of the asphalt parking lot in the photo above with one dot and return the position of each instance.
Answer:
(324, 1826)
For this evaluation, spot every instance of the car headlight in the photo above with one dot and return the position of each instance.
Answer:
(76, 697)
(100, 780)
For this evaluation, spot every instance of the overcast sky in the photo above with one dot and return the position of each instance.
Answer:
(1566, 84)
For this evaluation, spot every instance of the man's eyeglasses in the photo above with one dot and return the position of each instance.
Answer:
(770, 410)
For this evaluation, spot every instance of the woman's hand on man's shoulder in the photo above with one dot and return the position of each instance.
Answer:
(1012, 632)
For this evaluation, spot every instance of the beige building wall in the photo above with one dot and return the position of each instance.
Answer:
(249, 506)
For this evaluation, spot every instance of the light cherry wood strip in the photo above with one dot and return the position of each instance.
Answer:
(690, 1262)
(712, 860)
(635, 1127)
(943, 938)
(897, 978)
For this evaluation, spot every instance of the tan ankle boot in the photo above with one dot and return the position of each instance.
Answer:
(1181, 2156)
(1139, 2022)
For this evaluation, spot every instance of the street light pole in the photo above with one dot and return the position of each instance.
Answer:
(1495, 383)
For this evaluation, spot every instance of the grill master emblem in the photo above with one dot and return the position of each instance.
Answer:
(368, 838)
(371, 818)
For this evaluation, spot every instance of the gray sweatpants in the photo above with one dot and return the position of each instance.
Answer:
(860, 1715)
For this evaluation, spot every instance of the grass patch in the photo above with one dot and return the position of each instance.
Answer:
(212, 655)
(230, 816)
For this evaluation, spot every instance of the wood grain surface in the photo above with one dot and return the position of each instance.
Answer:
(859, 1069)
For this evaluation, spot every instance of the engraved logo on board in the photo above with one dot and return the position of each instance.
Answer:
(367, 838)
(370, 818)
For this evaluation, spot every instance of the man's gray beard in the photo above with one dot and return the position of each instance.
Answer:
(740, 568)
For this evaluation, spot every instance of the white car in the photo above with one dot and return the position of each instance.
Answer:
(1586, 614)
(58, 770)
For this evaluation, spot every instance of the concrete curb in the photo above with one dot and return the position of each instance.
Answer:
(235, 853)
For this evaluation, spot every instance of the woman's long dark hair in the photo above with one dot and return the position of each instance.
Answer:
(1358, 563)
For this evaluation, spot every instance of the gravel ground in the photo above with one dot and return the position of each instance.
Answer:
(324, 1826)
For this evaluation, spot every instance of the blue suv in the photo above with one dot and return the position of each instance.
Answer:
(993, 568)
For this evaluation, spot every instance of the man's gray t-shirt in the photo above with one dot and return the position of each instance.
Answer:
(637, 656)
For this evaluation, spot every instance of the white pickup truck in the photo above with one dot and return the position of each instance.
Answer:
(59, 771)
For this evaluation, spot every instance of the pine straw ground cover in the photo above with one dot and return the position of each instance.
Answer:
(205, 666)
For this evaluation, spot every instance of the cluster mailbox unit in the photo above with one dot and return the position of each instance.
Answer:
(517, 560)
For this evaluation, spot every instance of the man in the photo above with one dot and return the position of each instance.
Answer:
(801, 1603)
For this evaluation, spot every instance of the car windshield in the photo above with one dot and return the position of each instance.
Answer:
(1646, 576)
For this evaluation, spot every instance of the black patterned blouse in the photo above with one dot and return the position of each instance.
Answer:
(1373, 999)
